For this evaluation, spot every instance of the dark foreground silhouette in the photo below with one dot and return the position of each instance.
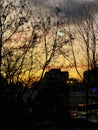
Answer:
(45, 106)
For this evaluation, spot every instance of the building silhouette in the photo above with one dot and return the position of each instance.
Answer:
(57, 74)
(91, 77)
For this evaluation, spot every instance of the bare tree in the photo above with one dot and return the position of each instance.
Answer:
(87, 28)
(70, 52)
(26, 55)
(53, 39)
(14, 21)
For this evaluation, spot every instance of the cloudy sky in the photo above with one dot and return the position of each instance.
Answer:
(74, 7)
(49, 5)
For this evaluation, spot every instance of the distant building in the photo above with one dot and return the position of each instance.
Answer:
(91, 77)
(57, 74)
(75, 85)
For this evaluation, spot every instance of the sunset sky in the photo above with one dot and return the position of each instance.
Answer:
(49, 7)
(42, 8)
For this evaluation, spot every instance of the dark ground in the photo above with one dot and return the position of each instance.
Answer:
(72, 124)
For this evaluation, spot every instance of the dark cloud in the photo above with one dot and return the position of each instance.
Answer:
(73, 7)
